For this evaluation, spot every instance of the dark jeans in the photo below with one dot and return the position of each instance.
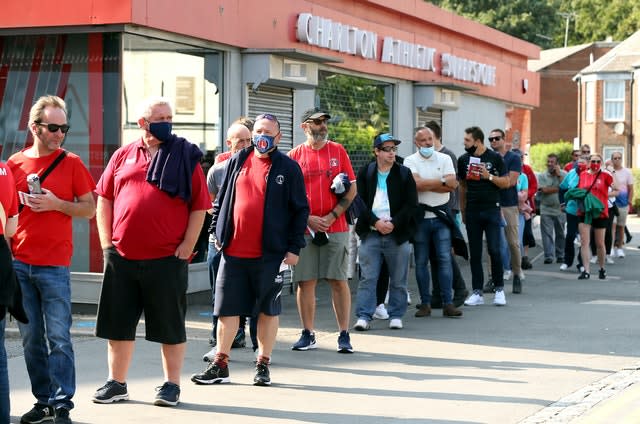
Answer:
(478, 223)
(569, 248)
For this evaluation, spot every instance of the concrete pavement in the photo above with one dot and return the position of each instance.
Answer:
(563, 350)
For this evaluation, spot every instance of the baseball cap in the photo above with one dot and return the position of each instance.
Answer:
(384, 137)
(314, 113)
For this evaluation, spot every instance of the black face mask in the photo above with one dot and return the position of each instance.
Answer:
(471, 150)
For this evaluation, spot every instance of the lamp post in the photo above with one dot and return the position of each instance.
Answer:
(568, 16)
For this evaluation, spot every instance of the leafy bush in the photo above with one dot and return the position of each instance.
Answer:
(636, 189)
(538, 153)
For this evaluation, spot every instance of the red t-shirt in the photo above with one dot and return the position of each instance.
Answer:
(319, 167)
(147, 222)
(248, 208)
(46, 238)
(600, 188)
(8, 195)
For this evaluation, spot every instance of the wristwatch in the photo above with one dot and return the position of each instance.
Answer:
(443, 181)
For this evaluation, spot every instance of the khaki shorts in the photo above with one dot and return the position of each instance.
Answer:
(330, 261)
(621, 219)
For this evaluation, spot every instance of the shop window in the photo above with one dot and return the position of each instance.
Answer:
(187, 75)
(359, 110)
(613, 101)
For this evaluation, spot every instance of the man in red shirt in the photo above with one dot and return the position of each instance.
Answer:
(259, 218)
(325, 256)
(151, 206)
(42, 249)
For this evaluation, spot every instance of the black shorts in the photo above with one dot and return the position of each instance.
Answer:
(247, 286)
(597, 222)
(157, 287)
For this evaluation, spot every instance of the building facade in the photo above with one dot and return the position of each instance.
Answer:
(412, 60)
(608, 102)
(557, 116)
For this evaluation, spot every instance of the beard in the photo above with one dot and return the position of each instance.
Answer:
(318, 135)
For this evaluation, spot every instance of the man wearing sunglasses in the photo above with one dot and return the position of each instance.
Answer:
(325, 256)
(42, 249)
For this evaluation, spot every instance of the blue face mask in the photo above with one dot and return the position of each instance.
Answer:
(160, 130)
(264, 142)
(426, 151)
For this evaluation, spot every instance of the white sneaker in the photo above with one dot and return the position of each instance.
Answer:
(610, 259)
(210, 356)
(386, 298)
(499, 298)
(593, 259)
(506, 275)
(521, 275)
(395, 324)
(361, 325)
(620, 253)
(381, 312)
(563, 267)
(408, 297)
(474, 300)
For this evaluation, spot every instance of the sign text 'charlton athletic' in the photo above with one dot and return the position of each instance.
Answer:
(336, 36)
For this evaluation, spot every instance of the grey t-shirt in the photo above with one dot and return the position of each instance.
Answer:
(214, 181)
(550, 203)
(454, 202)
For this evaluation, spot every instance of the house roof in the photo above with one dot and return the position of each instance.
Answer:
(551, 56)
(619, 59)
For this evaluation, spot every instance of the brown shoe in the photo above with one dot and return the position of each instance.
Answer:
(423, 311)
(451, 311)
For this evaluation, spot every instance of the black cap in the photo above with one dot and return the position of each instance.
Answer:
(314, 113)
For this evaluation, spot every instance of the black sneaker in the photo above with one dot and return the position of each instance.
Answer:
(525, 264)
(62, 416)
(239, 340)
(212, 375)
(307, 341)
(584, 275)
(168, 394)
(38, 414)
(344, 342)
(602, 274)
(111, 392)
(262, 377)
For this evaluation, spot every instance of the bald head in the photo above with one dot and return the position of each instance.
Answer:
(238, 137)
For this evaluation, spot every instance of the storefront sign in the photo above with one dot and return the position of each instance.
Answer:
(331, 35)
(328, 34)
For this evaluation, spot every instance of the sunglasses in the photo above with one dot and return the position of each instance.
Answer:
(617, 158)
(54, 127)
(318, 121)
(389, 149)
(268, 117)
(596, 161)
(495, 138)
(586, 152)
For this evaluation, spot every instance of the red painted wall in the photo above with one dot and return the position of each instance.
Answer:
(260, 24)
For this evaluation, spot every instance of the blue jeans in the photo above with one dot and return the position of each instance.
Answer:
(46, 296)
(487, 222)
(373, 248)
(433, 229)
(5, 405)
(505, 254)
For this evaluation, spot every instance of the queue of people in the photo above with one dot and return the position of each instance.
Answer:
(271, 211)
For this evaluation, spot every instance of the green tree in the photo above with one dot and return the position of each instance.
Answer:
(543, 22)
(535, 21)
